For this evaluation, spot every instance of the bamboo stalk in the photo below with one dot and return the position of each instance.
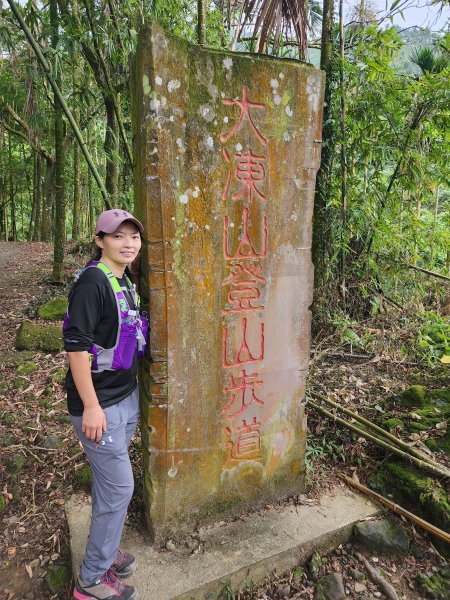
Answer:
(380, 430)
(437, 471)
(443, 535)
(427, 272)
(48, 74)
(109, 85)
(201, 26)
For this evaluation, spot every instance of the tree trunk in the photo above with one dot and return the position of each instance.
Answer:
(33, 204)
(12, 201)
(60, 208)
(76, 193)
(343, 257)
(201, 29)
(111, 147)
(3, 201)
(38, 198)
(321, 226)
(47, 201)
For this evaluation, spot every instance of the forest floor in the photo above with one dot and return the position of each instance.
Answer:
(34, 425)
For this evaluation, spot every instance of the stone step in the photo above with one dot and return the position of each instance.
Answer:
(238, 553)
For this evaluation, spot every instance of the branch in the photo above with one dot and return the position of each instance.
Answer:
(400, 443)
(432, 273)
(26, 135)
(109, 85)
(48, 73)
(440, 471)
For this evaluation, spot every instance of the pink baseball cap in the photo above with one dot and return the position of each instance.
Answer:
(110, 220)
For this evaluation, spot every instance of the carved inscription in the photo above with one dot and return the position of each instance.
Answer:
(243, 341)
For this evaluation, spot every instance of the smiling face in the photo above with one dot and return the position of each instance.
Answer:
(120, 248)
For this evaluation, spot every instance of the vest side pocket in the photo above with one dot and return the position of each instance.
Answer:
(126, 347)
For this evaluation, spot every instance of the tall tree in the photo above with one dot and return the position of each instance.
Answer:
(60, 206)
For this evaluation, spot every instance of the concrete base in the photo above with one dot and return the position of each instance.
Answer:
(239, 553)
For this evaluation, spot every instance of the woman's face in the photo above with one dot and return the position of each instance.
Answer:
(122, 246)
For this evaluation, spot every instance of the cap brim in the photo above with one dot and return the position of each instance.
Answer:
(110, 229)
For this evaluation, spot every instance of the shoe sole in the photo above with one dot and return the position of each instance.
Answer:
(80, 596)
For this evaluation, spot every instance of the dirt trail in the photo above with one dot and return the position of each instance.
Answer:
(22, 267)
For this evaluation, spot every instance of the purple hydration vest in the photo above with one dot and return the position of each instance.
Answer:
(131, 334)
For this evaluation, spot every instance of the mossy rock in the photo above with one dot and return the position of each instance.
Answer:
(412, 397)
(384, 537)
(415, 490)
(52, 442)
(392, 423)
(432, 444)
(330, 587)
(83, 478)
(440, 397)
(14, 463)
(436, 586)
(13, 359)
(54, 310)
(33, 336)
(418, 426)
(26, 368)
(2, 503)
(57, 578)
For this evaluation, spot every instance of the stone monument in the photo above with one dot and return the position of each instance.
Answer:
(226, 146)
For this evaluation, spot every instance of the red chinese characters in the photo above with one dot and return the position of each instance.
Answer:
(243, 340)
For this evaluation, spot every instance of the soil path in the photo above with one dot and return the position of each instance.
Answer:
(22, 268)
(32, 524)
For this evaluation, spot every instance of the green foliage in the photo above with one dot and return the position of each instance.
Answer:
(323, 449)
(397, 195)
(433, 338)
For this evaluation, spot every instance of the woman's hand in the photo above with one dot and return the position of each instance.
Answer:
(94, 423)
(94, 420)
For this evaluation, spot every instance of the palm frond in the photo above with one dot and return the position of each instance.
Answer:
(275, 22)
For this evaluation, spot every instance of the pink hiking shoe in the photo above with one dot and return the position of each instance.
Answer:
(124, 564)
(107, 587)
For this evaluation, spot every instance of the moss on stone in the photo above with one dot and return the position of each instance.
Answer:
(12, 359)
(83, 478)
(432, 444)
(57, 578)
(440, 397)
(413, 396)
(413, 489)
(32, 336)
(2, 503)
(54, 309)
(382, 536)
(436, 586)
(26, 368)
(417, 426)
(392, 423)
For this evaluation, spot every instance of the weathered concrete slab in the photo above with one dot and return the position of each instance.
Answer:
(240, 552)
(227, 146)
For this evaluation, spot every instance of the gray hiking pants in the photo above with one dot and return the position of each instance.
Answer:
(112, 485)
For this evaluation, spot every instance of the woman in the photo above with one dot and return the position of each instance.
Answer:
(103, 335)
